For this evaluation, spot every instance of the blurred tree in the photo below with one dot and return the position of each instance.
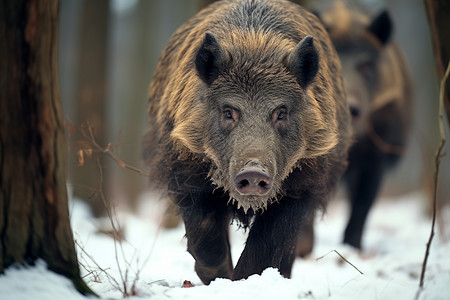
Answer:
(34, 217)
(91, 103)
(133, 31)
(438, 12)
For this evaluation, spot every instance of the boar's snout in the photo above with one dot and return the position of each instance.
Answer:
(253, 180)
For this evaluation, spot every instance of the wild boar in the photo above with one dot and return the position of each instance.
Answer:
(248, 120)
(379, 91)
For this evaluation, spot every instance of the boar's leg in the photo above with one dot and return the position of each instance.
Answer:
(207, 223)
(305, 242)
(363, 180)
(272, 238)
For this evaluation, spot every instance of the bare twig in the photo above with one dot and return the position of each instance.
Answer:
(115, 229)
(125, 267)
(108, 152)
(111, 279)
(343, 258)
(118, 246)
(437, 157)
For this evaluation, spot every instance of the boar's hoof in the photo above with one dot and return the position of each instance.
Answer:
(253, 181)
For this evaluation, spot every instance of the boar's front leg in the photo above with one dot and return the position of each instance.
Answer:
(363, 180)
(207, 223)
(272, 238)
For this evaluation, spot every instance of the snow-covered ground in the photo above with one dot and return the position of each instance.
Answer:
(395, 241)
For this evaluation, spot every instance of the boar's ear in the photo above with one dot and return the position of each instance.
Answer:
(303, 61)
(210, 58)
(319, 16)
(316, 13)
(381, 27)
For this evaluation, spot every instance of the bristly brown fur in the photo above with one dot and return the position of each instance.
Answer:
(248, 81)
(177, 115)
(379, 91)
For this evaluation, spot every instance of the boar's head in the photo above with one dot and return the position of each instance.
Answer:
(359, 41)
(259, 119)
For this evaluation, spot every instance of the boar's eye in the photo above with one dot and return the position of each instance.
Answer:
(354, 111)
(280, 115)
(230, 117)
(366, 69)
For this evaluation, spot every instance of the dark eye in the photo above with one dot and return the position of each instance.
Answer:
(228, 115)
(366, 69)
(280, 115)
(354, 111)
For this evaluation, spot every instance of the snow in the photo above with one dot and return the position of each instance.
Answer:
(157, 263)
(36, 283)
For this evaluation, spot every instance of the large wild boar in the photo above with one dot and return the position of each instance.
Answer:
(379, 92)
(248, 121)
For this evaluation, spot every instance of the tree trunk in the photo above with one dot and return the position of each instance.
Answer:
(34, 218)
(438, 12)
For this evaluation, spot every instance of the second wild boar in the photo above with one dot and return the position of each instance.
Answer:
(379, 91)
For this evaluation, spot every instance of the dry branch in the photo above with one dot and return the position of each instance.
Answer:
(343, 258)
(111, 279)
(108, 152)
(122, 286)
(437, 157)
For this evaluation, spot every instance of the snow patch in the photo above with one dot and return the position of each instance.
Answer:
(157, 263)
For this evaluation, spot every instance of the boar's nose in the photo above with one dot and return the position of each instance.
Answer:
(253, 180)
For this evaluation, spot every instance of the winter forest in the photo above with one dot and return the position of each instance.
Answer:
(89, 128)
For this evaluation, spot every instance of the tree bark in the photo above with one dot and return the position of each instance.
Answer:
(438, 12)
(34, 217)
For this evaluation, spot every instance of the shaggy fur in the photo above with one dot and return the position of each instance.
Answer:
(379, 92)
(249, 80)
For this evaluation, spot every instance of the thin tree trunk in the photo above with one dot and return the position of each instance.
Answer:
(34, 218)
(91, 107)
(438, 12)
